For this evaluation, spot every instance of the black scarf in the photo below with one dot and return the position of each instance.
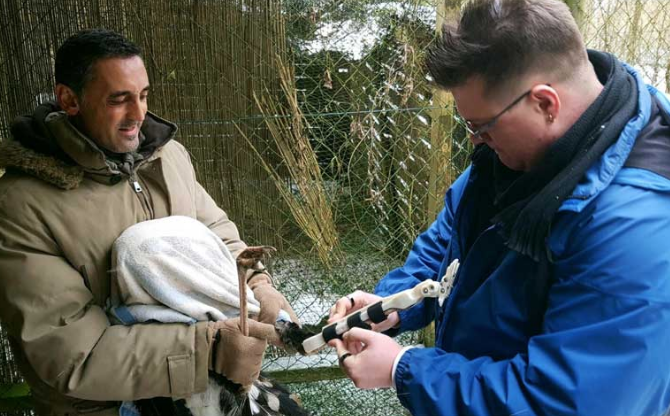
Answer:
(527, 202)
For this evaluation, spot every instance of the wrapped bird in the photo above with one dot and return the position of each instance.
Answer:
(175, 269)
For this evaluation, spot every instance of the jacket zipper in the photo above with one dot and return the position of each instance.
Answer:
(141, 195)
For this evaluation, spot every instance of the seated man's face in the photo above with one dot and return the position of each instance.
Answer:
(114, 103)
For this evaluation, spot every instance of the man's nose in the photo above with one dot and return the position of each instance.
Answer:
(483, 137)
(137, 110)
(477, 139)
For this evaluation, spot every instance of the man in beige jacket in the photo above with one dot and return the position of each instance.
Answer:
(78, 173)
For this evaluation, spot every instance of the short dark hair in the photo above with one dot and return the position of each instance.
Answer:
(77, 55)
(502, 40)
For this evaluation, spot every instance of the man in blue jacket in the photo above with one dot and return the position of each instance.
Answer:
(561, 224)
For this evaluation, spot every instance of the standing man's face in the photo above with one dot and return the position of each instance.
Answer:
(114, 103)
(520, 136)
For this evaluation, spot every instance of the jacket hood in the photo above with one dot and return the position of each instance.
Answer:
(48, 146)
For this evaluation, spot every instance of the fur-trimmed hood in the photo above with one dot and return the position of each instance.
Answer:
(48, 146)
(13, 155)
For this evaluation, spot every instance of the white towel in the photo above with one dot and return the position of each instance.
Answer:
(174, 269)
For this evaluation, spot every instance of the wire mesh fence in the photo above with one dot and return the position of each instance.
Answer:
(311, 122)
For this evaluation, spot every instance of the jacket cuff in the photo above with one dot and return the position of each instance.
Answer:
(397, 360)
(401, 375)
(202, 349)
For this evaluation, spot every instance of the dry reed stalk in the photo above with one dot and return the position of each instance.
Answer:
(309, 205)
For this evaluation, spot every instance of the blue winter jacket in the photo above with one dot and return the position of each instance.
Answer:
(598, 343)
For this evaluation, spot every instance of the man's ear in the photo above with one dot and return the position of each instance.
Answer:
(549, 102)
(67, 100)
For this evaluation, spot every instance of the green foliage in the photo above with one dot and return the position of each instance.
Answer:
(12, 391)
(14, 397)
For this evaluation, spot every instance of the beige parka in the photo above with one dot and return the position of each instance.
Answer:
(62, 205)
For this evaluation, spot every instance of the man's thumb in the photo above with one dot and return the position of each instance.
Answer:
(360, 335)
(262, 330)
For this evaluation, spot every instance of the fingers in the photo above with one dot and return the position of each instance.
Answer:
(292, 314)
(345, 356)
(340, 309)
(372, 366)
(352, 302)
(269, 312)
(359, 335)
(271, 302)
(264, 331)
(391, 321)
(339, 346)
(354, 347)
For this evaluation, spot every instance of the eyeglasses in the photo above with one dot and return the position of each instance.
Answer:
(477, 131)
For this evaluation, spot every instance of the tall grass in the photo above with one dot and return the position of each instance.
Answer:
(304, 193)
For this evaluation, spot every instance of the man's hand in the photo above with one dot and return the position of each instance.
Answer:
(358, 300)
(370, 360)
(235, 356)
(270, 299)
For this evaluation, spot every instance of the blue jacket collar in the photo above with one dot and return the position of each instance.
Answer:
(601, 174)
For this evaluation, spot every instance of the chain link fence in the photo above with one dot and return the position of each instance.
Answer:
(311, 122)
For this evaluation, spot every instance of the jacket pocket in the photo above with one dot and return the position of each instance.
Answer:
(181, 370)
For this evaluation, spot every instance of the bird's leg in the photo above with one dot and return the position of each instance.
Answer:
(241, 280)
(249, 258)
